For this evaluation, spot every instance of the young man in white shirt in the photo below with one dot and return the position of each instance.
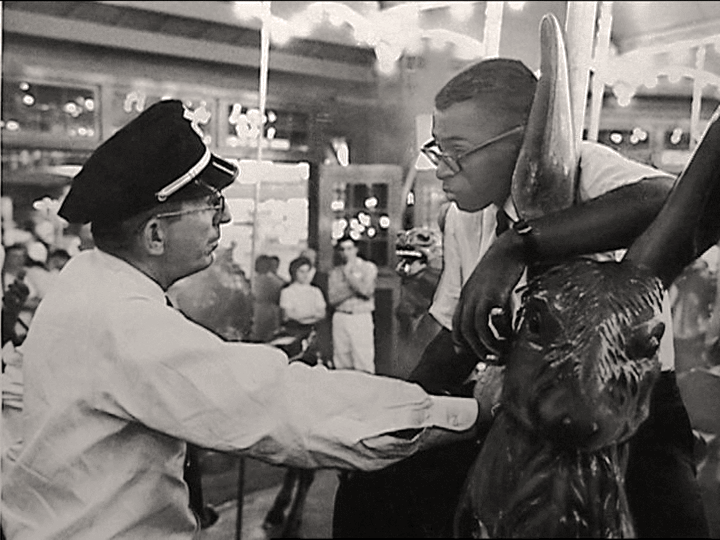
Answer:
(351, 293)
(478, 127)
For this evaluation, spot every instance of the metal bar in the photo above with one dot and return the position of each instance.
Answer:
(580, 34)
(602, 47)
(240, 497)
(493, 28)
(697, 98)
(264, 57)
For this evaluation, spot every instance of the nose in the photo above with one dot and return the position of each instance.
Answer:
(443, 171)
(225, 216)
(564, 416)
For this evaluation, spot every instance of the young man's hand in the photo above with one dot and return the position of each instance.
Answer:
(483, 318)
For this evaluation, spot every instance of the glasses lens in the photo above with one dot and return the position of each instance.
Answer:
(435, 155)
(451, 163)
(432, 153)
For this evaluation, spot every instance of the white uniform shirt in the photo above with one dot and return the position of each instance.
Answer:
(468, 235)
(115, 381)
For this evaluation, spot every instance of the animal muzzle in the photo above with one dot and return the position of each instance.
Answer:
(574, 405)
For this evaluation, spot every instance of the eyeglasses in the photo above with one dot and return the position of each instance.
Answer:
(216, 203)
(435, 155)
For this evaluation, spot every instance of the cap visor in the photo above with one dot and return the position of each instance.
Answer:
(219, 173)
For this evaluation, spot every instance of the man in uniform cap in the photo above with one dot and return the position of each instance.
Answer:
(117, 382)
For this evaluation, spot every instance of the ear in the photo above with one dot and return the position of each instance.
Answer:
(689, 222)
(544, 178)
(153, 237)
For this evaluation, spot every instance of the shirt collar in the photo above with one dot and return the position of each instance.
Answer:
(126, 272)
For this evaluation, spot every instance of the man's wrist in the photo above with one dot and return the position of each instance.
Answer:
(525, 238)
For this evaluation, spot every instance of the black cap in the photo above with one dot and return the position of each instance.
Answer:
(152, 159)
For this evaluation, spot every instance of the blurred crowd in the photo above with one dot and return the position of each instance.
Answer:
(31, 260)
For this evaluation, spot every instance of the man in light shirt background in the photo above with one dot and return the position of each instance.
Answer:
(351, 293)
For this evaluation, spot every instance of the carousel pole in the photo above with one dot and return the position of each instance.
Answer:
(493, 27)
(264, 56)
(580, 34)
(600, 59)
(696, 105)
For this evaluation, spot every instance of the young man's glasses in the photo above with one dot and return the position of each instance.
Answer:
(435, 155)
(216, 202)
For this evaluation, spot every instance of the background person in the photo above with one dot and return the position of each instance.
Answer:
(117, 382)
(351, 292)
(302, 304)
(266, 287)
(323, 327)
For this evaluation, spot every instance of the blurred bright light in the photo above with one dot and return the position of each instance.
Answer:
(461, 11)
(364, 219)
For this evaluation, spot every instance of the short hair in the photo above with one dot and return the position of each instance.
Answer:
(504, 84)
(263, 264)
(119, 236)
(296, 264)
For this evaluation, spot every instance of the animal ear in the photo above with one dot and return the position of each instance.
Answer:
(689, 222)
(545, 172)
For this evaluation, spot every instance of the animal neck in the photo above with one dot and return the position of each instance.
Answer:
(524, 486)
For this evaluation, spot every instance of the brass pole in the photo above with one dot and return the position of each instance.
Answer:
(600, 59)
(580, 35)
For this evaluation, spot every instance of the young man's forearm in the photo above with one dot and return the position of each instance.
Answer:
(611, 221)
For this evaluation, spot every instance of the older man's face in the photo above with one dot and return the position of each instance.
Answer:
(193, 236)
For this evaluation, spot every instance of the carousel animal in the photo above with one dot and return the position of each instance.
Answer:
(419, 255)
(579, 371)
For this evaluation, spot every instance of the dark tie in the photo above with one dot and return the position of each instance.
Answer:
(503, 222)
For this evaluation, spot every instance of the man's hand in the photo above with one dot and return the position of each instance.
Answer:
(483, 318)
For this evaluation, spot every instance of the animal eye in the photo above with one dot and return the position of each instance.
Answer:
(532, 320)
(645, 340)
(540, 323)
